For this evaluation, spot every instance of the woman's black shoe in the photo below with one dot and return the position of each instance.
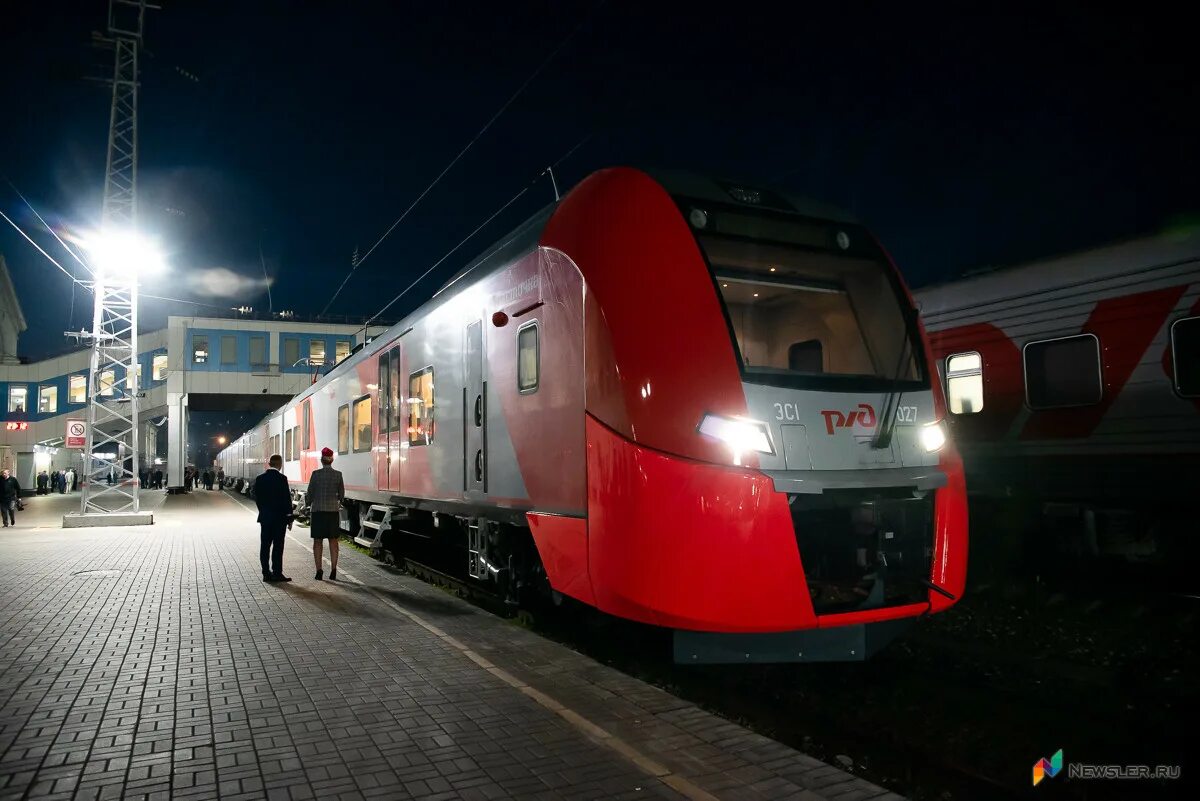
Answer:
(333, 574)
(318, 576)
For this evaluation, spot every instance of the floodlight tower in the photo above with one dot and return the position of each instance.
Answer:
(117, 256)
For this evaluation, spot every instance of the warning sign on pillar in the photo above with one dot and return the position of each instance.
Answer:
(76, 434)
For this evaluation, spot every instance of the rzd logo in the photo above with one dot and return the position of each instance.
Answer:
(864, 416)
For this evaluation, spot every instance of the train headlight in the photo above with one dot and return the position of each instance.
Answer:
(933, 437)
(741, 434)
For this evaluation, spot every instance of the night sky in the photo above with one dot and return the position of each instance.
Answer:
(963, 141)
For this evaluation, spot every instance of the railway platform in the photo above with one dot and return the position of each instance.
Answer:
(154, 662)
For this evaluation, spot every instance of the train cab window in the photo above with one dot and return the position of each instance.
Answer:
(420, 407)
(47, 399)
(1185, 356)
(1063, 372)
(800, 316)
(199, 349)
(362, 424)
(343, 431)
(18, 399)
(964, 383)
(528, 358)
(77, 389)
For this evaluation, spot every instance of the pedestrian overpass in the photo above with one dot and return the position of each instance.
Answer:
(194, 364)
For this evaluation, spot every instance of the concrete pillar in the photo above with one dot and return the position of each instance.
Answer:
(177, 427)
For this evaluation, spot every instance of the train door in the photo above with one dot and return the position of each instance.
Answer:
(382, 453)
(395, 418)
(474, 414)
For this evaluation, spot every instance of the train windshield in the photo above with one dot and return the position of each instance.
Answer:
(807, 315)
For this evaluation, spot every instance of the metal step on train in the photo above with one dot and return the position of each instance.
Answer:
(372, 527)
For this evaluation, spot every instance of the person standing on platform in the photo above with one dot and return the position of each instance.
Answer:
(326, 491)
(43, 483)
(274, 501)
(62, 482)
(72, 480)
(10, 492)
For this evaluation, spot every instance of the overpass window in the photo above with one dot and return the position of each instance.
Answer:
(228, 350)
(199, 349)
(1063, 372)
(47, 399)
(258, 351)
(158, 367)
(964, 383)
(107, 383)
(527, 358)
(291, 352)
(316, 352)
(77, 389)
(420, 407)
(1185, 356)
(343, 445)
(18, 399)
(341, 349)
(362, 424)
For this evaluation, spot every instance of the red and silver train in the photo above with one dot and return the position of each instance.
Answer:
(1073, 388)
(694, 404)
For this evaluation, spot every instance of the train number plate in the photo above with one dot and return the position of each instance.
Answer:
(906, 415)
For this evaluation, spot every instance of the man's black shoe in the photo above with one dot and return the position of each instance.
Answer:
(267, 577)
(279, 577)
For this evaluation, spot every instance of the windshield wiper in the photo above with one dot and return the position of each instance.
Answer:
(887, 415)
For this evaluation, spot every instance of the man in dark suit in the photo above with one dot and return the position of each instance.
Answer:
(274, 515)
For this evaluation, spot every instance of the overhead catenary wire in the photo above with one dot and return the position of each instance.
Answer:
(533, 75)
(478, 228)
(8, 220)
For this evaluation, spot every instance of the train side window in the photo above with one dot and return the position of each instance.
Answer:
(1185, 356)
(385, 392)
(420, 407)
(362, 424)
(305, 437)
(1063, 372)
(287, 444)
(343, 443)
(964, 383)
(396, 396)
(528, 358)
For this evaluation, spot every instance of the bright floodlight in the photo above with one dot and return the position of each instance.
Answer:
(220, 440)
(124, 254)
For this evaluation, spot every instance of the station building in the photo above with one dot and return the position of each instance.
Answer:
(195, 363)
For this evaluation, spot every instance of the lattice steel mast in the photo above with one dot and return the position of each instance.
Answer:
(113, 378)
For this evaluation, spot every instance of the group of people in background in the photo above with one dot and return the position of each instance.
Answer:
(210, 479)
(61, 481)
(152, 479)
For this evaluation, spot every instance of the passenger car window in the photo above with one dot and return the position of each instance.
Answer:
(420, 407)
(1063, 372)
(343, 429)
(964, 383)
(362, 424)
(528, 358)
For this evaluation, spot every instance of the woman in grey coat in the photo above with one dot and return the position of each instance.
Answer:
(324, 497)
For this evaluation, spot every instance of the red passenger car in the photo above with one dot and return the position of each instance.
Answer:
(691, 403)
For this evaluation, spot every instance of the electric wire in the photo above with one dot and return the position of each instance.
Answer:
(546, 61)
(53, 233)
(8, 220)
(478, 228)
